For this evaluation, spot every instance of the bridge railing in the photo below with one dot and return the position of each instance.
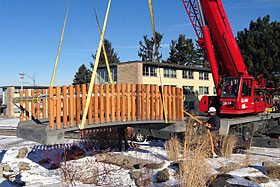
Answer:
(109, 103)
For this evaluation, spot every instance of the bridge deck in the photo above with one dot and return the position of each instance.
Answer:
(110, 105)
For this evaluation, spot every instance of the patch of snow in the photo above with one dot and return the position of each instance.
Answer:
(9, 123)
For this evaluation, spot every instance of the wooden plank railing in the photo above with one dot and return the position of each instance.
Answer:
(109, 103)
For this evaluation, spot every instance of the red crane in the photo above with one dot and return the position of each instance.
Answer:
(237, 92)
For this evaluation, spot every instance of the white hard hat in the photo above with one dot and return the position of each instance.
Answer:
(212, 110)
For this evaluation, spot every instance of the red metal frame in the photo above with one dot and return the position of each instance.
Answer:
(225, 59)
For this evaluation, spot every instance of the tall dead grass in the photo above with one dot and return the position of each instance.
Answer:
(227, 146)
(173, 149)
(194, 170)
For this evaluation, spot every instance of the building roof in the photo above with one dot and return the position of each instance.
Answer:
(162, 65)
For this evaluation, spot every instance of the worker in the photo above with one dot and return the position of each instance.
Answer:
(122, 136)
(214, 120)
(213, 124)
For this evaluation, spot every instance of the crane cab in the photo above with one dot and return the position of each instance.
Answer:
(238, 95)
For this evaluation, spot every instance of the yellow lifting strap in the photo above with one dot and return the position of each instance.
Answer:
(154, 32)
(84, 118)
(105, 54)
(57, 55)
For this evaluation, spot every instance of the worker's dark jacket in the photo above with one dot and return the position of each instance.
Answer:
(215, 122)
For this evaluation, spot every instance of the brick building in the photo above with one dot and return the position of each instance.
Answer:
(195, 81)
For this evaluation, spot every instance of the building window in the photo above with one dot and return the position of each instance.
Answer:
(214, 91)
(188, 90)
(203, 90)
(103, 76)
(203, 76)
(189, 105)
(17, 91)
(170, 72)
(149, 71)
(187, 74)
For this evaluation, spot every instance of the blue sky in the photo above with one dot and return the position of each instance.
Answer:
(30, 32)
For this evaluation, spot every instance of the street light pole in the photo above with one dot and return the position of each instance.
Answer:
(21, 80)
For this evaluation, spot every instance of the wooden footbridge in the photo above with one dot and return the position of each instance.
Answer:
(47, 114)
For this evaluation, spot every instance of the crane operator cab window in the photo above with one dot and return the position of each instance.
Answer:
(246, 88)
(230, 87)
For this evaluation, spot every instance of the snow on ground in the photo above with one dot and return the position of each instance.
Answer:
(9, 123)
(152, 151)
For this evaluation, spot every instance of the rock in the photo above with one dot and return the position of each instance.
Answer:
(121, 160)
(22, 152)
(163, 176)
(10, 177)
(230, 181)
(258, 179)
(227, 169)
(155, 166)
(272, 168)
(23, 166)
(7, 168)
(143, 182)
(136, 175)
(1, 170)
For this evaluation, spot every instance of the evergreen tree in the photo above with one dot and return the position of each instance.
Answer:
(83, 75)
(148, 51)
(184, 52)
(111, 54)
(260, 46)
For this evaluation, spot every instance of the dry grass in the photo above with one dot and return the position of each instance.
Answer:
(194, 170)
(173, 148)
(228, 144)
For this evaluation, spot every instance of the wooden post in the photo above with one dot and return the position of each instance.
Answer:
(118, 110)
(128, 102)
(169, 103)
(58, 107)
(90, 107)
(160, 104)
(174, 101)
(142, 101)
(166, 101)
(84, 96)
(37, 109)
(156, 102)
(123, 106)
(147, 101)
(101, 91)
(44, 104)
(32, 106)
(138, 101)
(133, 109)
(113, 103)
(64, 101)
(181, 104)
(177, 103)
(152, 102)
(51, 109)
(71, 105)
(27, 106)
(21, 106)
(96, 112)
(78, 104)
(107, 103)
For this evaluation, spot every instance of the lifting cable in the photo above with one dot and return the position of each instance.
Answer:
(105, 54)
(58, 51)
(155, 42)
(84, 118)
